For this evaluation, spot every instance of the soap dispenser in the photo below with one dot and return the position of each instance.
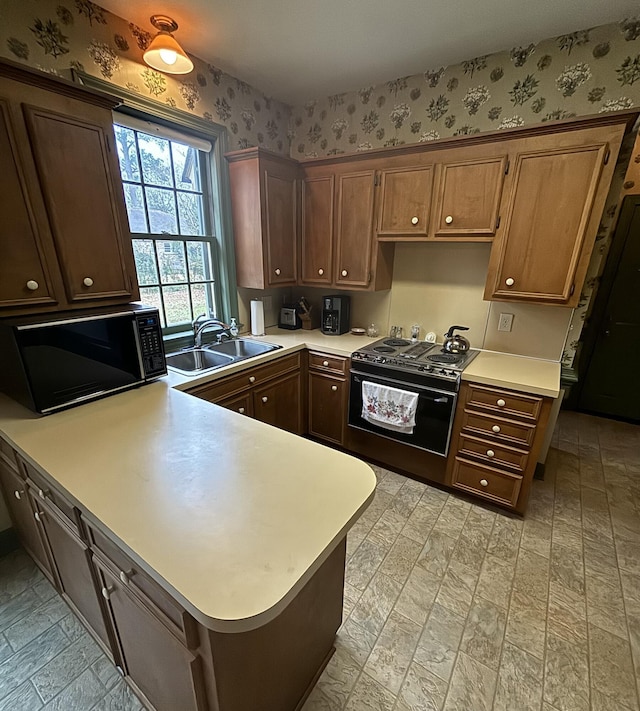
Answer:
(233, 328)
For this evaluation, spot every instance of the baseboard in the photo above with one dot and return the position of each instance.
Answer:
(8, 541)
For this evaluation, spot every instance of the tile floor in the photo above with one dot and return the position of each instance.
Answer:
(448, 605)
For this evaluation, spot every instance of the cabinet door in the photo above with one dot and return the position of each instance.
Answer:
(280, 221)
(165, 671)
(405, 201)
(17, 499)
(354, 229)
(84, 201)
(469, 198)
(549, 209)
(327, 407)
(242, 404)
(317, 230)
(24, 279)
(72, 563)
(279, 403)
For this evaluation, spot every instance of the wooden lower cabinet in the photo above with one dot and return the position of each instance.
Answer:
(278, 403)
(328, 397)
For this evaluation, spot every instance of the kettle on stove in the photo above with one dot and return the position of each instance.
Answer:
(454, 342)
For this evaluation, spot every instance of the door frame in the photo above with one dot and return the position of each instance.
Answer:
(596, 320)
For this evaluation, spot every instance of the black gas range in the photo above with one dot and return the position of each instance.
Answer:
(418, 363)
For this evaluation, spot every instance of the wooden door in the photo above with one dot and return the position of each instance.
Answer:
(405, 201)
(354, 229)
(279, 403)
(85, 203)
(616, 320)
(240, 403)
(469, 197)
(72, 558)
(22, 515)
(24, 277)
(548, 213)
(317, 230)
(165, 671)
(327, 407)
(280, 220)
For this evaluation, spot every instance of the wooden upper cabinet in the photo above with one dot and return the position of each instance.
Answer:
(468, 198)
(64, 237)
(549, 210)
(24, 278)
(316, 239)
(354, 228)
(264, 200)
(405, 201)
(81, 194)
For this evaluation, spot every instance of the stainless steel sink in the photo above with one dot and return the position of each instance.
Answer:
(197, 360)
(241, 348)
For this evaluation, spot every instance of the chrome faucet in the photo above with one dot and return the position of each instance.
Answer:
(199, 327)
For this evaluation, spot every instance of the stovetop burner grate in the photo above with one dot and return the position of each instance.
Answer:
(396, 342)
(384, 349)
(445, 358)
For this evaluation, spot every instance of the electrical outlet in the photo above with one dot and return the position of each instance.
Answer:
(267, 302)
(505, 322)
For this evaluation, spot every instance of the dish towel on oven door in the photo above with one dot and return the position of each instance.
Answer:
(389, 408)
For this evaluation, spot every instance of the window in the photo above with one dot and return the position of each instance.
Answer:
(170, 208)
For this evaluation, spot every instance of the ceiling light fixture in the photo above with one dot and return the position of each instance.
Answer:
(164, 53)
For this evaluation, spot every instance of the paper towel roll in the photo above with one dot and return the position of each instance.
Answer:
(257, 317)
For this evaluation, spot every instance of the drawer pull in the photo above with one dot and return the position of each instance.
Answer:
(334, 388)
(501, 403)
(39, 515)
(448, 219)
(344, 273)
(320, 272)
(18, 494)
(87, 281)
(252, 378)
(241, 410)
(414, 220)
(490, 453)
(496, 428)
(509, 281)
(32, 285)
(43, 493)
(484, 482)
(106, 592)
(325, 363)
(265, 399)
(126, 575)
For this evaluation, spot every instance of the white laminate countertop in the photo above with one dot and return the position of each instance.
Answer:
(232, 515)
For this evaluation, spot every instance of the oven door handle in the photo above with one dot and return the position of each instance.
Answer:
(358, 377)
(441, 400)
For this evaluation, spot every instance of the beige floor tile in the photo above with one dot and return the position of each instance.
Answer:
(526, 623)
(532, 574)
(567, 567)
(484, 632)
(611, 667)
(418, 595)
(401, 558)
(566, 682)
(505, 538)
(567, 614)
(495, 581)
(457, 588)
(439, 642)
(421, 691)
(536, 537)
(519, 685)
(369, 695)
(376, 603)
(472, 686)
(437, 552)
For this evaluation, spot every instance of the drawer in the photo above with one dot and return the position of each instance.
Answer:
(491, 484)
(328, 363)
(232, 384)
(504, 402)
(497, 429)
(157, 601)
(63, 508)
(493, 453)
(240, 403)
(8, 456)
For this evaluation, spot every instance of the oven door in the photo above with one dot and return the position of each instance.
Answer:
(434, 414)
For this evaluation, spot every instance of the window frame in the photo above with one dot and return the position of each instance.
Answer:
(216, 175)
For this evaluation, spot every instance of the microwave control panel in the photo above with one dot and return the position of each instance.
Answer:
(151, 345)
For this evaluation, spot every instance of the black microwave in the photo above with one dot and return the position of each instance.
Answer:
(50, 362)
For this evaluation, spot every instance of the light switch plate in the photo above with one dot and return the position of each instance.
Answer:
(505, 322)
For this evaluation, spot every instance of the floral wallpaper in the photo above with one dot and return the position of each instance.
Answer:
(56, 35)
(584, 72)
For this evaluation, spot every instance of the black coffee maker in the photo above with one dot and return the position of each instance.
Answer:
(335, 315)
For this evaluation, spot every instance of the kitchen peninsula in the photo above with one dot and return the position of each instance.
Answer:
(204, 550)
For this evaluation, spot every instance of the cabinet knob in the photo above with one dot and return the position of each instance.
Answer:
(18, 494)
(265, 399)
(125, 576)
(106, 592)
(320, 272)
(484, 482)
(490, 453)
(501, 403)
(448, 219)
(32, 285)
(241, 410)
(325, 363)
(39, 515)
(496, 428)
(509, 281)
(334, 388)
(277, 272)
(87, 281)
(344, 273)
(43, 493)
(252, 378)
(414, 220)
